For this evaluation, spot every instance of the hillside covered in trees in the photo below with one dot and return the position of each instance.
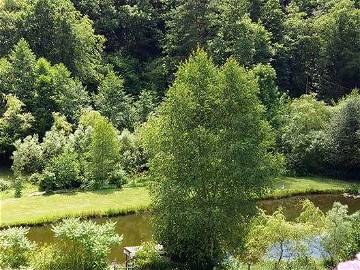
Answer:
(205, 112)
(120, 57)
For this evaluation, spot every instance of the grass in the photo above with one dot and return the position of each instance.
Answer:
(30, 209)
(290, 186)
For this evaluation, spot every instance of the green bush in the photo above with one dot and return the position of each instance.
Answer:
(118, 177)
(35, 178)
(84, 244)
(62, 172)
(45, 257)
(28, 156)
(344, 133)
(148, 258)
(14, 248)
(4, 185)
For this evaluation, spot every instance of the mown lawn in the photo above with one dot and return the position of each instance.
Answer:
(288, 186)
(39, 209)
(31, 209)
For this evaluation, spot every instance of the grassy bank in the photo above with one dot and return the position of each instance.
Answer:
(47, 208)
(40, 209)
(290, 186)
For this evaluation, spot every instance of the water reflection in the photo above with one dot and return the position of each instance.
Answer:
(137, 228)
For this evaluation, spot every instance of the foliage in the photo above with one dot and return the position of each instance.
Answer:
(246, 41)
(28, 156)
(148, 257)
(113, 103)
(339, 239)
(84, 244)
(303, 137)
(103, 152)
(15, 124)
(209, 149)
(133, 158)
(4, 184)
(274, 231)
(46, 257)
(62, 172)
(344, 135)
(14, 247)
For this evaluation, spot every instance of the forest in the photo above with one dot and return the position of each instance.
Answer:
(206, 103)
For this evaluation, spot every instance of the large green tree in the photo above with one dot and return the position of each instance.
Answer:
(57, 31)
(114, 103)
(211, 156)
(345, 137)
(43, 88)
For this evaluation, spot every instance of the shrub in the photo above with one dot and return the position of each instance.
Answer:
(63, 172)
(18, 186)
(45, 257)
(14, 247)
(132, 156)
(35, 178)
(28, 156)
(118, 177)
(303, 136)
(148, 258)
(84, 244)
(344, 133)
(339, 239)
(4, 184)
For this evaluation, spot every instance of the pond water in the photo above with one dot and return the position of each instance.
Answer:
(137, 228)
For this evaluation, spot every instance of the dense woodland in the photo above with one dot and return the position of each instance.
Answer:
(212, 100)
(120, 57)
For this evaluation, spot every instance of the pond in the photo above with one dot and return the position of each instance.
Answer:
(137, 228)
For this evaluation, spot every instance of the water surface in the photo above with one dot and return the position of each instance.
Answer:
(137, 228)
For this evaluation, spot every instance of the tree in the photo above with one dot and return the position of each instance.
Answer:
(304, 140)
(340, 40)
(274, 235)
(103, 152)
(248, 42)
(22, 72)
(344, 135)
(58, 32)
(209, 158)
(187, 27)
(272, 17)
(339, 239)
(15, 124)
(297, 62)
(269, 93)
(114, 103)
(42, 87)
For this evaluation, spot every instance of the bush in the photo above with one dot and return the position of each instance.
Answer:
(339, 239)
(132, 156)
(84, 244)
(4, 184)
(344, 133)
(46, 257)
(303, 137)
(118, 177)
(63, 172)
(14, 248)
(28, 156)
(35, 178)
(148, 258)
